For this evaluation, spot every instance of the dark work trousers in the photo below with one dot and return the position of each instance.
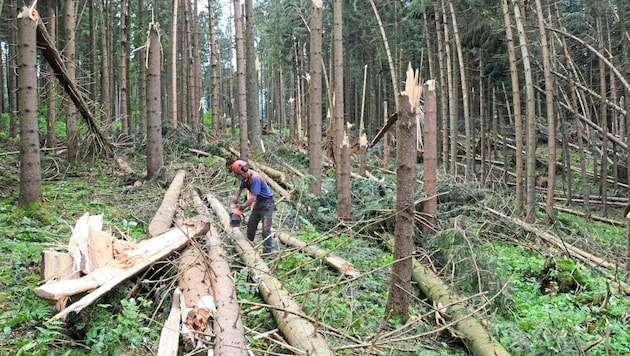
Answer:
(263, 210)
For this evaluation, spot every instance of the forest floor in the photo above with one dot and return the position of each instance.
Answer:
(533, 297)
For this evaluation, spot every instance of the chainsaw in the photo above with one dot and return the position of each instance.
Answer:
(235, 220)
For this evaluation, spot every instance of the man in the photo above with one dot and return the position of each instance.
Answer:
(260, 200)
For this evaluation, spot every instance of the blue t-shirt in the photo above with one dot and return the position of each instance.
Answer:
(256, 185)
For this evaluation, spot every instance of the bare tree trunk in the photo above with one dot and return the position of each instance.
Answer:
(530, 116)
(518, 121)
(253, 128)
(155, 150)
(241, 79)
(142, 76)
(198, 93)
(452, 102)
(551, 119)
(72, 132)
(172, 110)
(625, 66)
(12, 76)
(385, 138)
(124, 119)
(342, 171)
(30, 166)
(106, 101)
(315, 97)
(399, 287)
(470, 162)
(390, 59)
(217, 121)
(444, 93)
(603, 113)
(51, 84)
(430, 160)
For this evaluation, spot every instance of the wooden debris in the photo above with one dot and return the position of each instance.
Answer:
(163, 218)
(169, 338)
(197, 299)
(299, 332)
(344, 267)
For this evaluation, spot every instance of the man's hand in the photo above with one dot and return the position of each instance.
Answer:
(233, 204)
(238, 211)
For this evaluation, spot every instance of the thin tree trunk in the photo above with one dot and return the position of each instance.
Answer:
(241, 80)
(470, 162)
(315, 97)
(124, 119)
(72, 132)
(551, 116)
(155, 150)
(197, 78)
(253, 128)
(30, 166)
(399, 287)
(390, 59)
(173, 69)
(518, 121)
(603, 113)
(429, 207)
(106, 101)
(530, 117)
(51, 84)
(217, 121)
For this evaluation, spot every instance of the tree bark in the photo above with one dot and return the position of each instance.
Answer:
(173, 112)
(228, 327)
(399, 287)
(124, 118)
(163, 218)
(30, 166)
(51, 85)
(241, 81)
(299, 332)
(217, 122)
(253, 128)
(430, 159)
(155, 150)
(315, 100)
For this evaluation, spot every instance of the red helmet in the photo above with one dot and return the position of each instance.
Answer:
(239, 166)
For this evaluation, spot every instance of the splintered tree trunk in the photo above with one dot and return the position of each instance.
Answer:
(155, 151)
(30, 166)
(315, 100)
(228, 327)
(399, 287)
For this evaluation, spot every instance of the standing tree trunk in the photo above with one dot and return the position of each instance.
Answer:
(603, 113)
(241, 80)
(155, 151)
(444, 93)
(142, 75)
(30, 166)
(430, 160)
(173, 69)
(72, 132)
(253, 128)
(217, 122)
(342, 171)
(198, 114)
(390, 59)
(315, 97)
(470, 162)
(124, 119)
(106, 99)
(530, 116)
(399, 287)
(551, 120)
(518, 120)
(51, 83)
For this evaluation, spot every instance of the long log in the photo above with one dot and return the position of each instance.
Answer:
(197, 299)
(342, 266)
(163, 218)
(123, 267)
(299, 332)
(479, 341)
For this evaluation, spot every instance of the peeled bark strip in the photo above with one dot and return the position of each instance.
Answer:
(169, 338)
(228, 327)
(123, 267)
(299, 332)
(344, 267)
(197, 298)
(163, 218)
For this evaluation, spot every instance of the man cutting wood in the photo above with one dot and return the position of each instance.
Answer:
(260, 200)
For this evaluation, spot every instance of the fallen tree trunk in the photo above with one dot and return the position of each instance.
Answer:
(169, 338)
(479, 341)
(580, 254)
(299, 332)
(197, 299)
(344, 267)
(123, 267)
(163, 218)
